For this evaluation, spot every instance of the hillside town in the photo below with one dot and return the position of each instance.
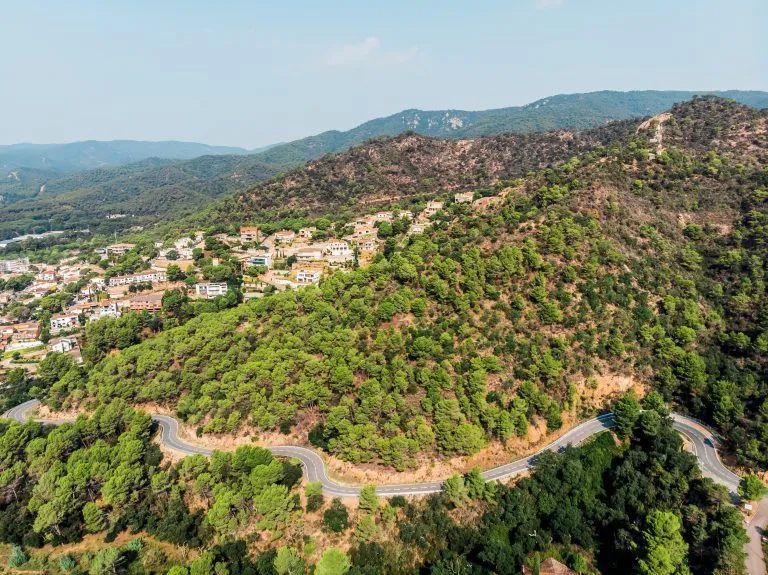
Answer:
(262, 262)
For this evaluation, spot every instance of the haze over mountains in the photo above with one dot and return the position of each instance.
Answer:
(90, 154)
(51, 186)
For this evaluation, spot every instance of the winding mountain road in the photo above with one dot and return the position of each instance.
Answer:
(702, 442)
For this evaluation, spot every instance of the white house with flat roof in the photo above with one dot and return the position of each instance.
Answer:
(338, 248)
(63, 321)
(309, 254)
(261, 259)
(211, 290)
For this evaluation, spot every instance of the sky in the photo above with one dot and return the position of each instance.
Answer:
(254, 73)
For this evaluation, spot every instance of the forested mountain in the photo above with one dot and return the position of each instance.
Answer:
(639, 256)
(407, 168)
(561, 112)
(644, 260)
(77, 156)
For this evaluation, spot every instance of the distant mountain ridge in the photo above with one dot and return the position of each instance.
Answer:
(153, 189)
(561, 112)
(77, 156)
(411, 165)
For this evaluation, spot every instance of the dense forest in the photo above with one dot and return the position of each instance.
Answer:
(638, 507)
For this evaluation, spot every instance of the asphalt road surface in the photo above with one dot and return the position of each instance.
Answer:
(702, 441)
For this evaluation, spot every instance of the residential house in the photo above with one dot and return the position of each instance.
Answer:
(249, 234)
(417, 228)
(285, 236)
(211, 290)
(368, 244)
(277, 279)
(309, 254)
(361, 231)
(464, 197)
(62, 321)
(66, 345)
(147, 302)
(62, 344)
(98, 309)
(383, 217)
(119, 249)
(338, 248)
(261, 259)
(307, 273)
(46, 275)
(432, 208)
(307, 233)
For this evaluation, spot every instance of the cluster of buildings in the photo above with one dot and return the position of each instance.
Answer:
(283, 259)
(17, 266)
(100, 297)
(295, 258)
(309, 258)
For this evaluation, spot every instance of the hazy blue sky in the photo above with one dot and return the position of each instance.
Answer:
(254, 73)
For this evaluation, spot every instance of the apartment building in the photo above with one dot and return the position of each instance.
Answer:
(147, 302)
(152, 276)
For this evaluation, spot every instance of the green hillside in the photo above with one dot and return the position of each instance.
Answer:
(625, 262)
